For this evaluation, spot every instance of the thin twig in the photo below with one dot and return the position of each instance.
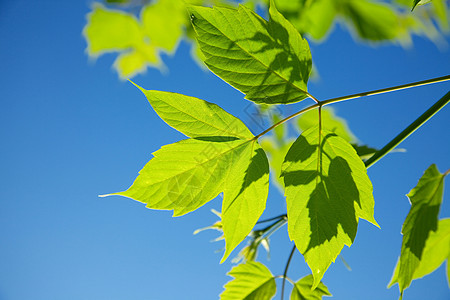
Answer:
(408, 130)
(286, 270)
(387, 90)
(272, 219)
(355, 96)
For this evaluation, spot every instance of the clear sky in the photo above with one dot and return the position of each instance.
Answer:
(71, 130)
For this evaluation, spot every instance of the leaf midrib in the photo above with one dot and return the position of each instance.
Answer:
(206, 161)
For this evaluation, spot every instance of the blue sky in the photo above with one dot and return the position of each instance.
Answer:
(70, 130)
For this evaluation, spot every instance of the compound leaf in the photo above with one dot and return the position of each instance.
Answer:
(327, 191)
(252, 281)
(195, 117)
(302, 290)
(421, 221)
(268, 61)
(185, 175)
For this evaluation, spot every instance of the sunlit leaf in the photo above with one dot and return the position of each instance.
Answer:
(317, 18)
(252, 281)
(436, 251)
(276, 154)
(330, 122)
(441, 10)
(163, 23)
(327, 191)
(195, 117)
(302, 290)
(268, 61)
(374, 21)
(131, 63)
(421, 2)
(111, 30)
(185, 175)
(421, 221)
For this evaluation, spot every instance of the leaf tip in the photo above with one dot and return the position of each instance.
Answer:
(136, 85)
(105, 195)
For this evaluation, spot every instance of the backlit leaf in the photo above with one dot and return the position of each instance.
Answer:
(195, 117)
(302, 290)
(111, 30)
(252, 281)
(436, 251)
(276, 153)
(416, 2)
(373, 21)
(422, 219)
(330, 122)
(268, 61)
(185, 175)
(163, 23)
(327, 191)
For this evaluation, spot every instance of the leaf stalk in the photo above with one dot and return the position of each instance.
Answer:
(354, 96)
(286, 270)
(409, 130)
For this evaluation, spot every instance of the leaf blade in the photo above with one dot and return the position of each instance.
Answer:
(195, 117)
(327, 191)
(233, 43)
(244, 197)
(420, 223)
(252, 281)
(302, 290)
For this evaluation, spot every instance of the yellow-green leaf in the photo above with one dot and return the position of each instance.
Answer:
(421, 221)
(435, 252)
(327, 191)
(195, 117)
(111, 30)
(303, 290)
(223, 156)
(268, 61)
(252, 281)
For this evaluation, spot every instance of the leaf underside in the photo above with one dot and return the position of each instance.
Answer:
(420, 225)
(185, 175)
(327, 191)
(268, 61)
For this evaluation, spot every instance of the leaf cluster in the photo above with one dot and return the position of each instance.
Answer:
(322, 172)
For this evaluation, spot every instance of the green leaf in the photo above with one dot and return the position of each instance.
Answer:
(110, 30)
(364, 151)
(252, 281)
(136, 61)
(302, 290)
(163, 23)
(327, 191)
(276, 153)
(330, 122)
(421, 2)
(435, 252)
(195, 117)
(373, 21)
(185, 175)
(317, 18)
(422, 219)
(268, 61)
